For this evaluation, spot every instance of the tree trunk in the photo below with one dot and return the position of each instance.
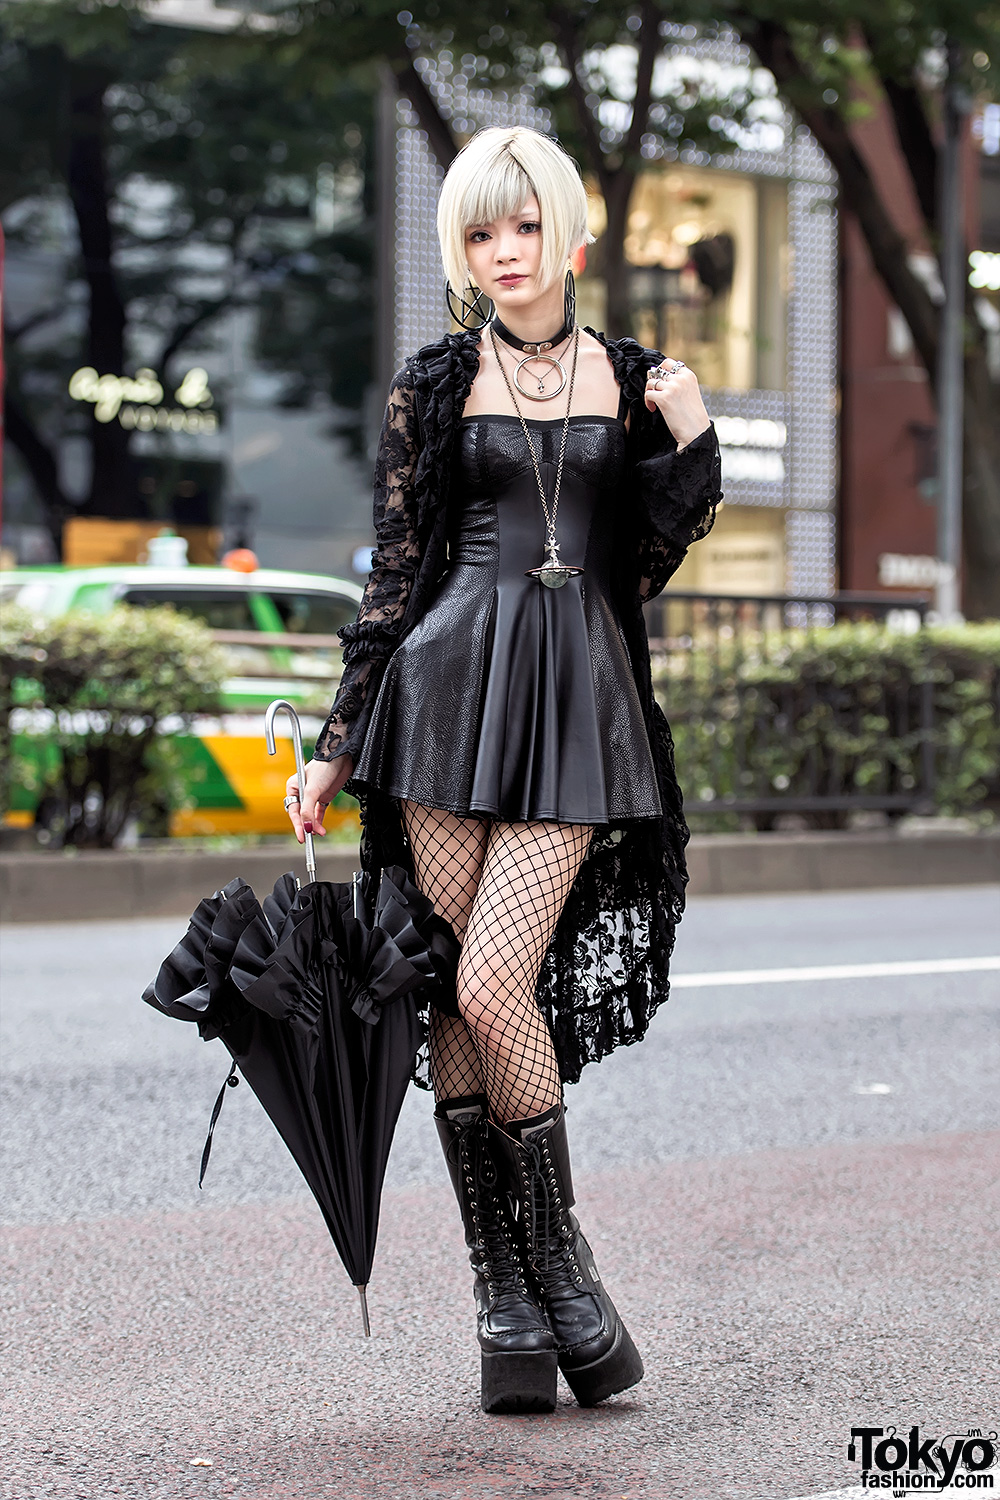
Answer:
(617, 191)
(112, 480)
(40, 461)
(432, 122)
(616, 174)
(858, 190)
(981, 492)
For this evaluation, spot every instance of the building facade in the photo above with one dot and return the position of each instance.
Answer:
(888, 517)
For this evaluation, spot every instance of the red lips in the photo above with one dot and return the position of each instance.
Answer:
(510, 280)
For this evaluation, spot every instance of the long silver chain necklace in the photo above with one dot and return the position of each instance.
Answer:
(552, 573)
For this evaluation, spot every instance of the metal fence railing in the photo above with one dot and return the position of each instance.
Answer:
(774, 711)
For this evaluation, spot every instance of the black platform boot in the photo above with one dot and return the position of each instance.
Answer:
(519, 1359)
(596, 1352)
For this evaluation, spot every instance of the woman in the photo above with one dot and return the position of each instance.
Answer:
(534, 484)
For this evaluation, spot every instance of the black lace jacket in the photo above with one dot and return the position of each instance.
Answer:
(606, 969)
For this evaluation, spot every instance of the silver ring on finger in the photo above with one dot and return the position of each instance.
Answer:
(292, 797)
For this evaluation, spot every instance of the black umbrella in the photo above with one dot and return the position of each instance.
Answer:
(313, 993)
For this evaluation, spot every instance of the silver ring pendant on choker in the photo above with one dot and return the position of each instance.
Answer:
(541, 394)
(553, 573)
(533, 353)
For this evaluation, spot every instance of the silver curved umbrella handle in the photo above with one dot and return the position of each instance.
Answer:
(281, 705)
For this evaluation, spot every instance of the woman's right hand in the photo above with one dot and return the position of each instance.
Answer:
(324, 778)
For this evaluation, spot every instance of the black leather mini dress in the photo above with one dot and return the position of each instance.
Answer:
(507, 698)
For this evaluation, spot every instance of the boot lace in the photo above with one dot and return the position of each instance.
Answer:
(551, 1235)
(499, 1261)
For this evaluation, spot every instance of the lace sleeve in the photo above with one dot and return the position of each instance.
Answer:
(370, 640)
(679, 493)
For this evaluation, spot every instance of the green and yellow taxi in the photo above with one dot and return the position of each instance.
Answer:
(279, 632)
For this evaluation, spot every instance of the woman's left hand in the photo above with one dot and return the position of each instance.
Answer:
(673, 389)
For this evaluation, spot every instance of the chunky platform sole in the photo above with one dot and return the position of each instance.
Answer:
(517, 1380)
(615, 1371)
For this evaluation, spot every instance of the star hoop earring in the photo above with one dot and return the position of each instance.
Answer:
(472, 317)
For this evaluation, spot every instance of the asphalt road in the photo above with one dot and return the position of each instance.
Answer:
(792, 1190)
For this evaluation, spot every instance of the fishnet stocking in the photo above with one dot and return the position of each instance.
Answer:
(502, 887)
(527, 875)
(448, 854)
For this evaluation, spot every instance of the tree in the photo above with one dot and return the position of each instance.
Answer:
(830, 73)
(596, 64)
(615, 112)
(188, 169)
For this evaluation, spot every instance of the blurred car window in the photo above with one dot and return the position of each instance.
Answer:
(313, 614)
(30, 595)
(220, 609)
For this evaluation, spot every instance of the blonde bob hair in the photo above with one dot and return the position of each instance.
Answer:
(491, 177)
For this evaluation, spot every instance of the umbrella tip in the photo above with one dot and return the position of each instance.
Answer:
(363, 1294)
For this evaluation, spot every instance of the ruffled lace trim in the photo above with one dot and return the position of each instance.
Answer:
(681, 491)
(412, 470)
(678, 493)
(365, 638)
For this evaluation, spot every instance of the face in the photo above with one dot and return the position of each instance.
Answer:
(504, 257)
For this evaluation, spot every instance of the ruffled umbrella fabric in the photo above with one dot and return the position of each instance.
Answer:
(318, 1006)
(193, 983)
(404, 946)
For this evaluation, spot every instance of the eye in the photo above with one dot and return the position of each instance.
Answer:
(477, 236)
(530, 226)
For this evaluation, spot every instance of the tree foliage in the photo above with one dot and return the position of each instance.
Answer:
(838, 712)
(184, 171)
(206, 117)
(599, 66)
(103, 698)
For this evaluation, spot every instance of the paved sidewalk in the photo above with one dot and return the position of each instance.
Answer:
(780, 1297)
(101, 884)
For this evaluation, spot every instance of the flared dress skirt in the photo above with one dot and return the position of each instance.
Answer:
(507, 698)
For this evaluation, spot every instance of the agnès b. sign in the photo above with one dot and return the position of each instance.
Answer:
(138, 401)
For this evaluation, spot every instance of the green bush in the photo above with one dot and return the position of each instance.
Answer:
(836, 714)
(90, 704)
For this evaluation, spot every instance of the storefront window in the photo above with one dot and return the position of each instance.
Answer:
(708, 252)
(744, 553)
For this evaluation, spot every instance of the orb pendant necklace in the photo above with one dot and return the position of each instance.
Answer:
(552, 573)
(535, 353)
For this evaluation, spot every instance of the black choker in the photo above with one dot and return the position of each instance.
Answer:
(531, 346)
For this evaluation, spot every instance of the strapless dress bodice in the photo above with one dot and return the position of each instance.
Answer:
(508, 698)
